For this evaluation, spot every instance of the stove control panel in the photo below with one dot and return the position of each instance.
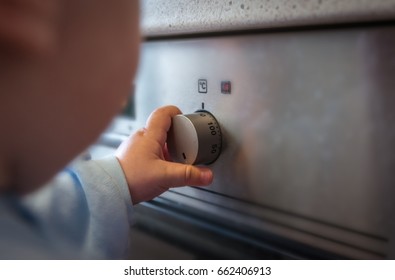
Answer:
(297, 147)
(195, 138)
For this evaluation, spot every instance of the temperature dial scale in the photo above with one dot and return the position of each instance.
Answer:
(194, 138)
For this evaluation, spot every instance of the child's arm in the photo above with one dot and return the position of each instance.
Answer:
(86, 211)
(143, 160)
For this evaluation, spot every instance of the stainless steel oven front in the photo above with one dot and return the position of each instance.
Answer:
(308, 126)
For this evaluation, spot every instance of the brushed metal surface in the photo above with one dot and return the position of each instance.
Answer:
(164, 17)
(309, 126)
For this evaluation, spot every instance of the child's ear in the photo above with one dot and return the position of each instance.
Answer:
(28, 26)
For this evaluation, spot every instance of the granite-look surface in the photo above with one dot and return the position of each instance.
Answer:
(170, 17)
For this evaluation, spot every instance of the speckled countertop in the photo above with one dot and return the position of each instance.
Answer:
(171, 17)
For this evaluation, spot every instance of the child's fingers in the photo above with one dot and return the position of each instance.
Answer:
(166, 153)
(159, 122)
(178, 175)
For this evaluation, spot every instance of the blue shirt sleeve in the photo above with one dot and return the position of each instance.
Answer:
(87, 208)
(109, 206)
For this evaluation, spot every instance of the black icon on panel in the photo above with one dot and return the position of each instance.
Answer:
(202, 86)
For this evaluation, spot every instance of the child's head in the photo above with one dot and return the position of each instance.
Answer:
(66, 69)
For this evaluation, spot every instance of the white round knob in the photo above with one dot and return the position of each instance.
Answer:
(194, 138)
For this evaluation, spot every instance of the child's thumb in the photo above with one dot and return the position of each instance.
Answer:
(179, 175)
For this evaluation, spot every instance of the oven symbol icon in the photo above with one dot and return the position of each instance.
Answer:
(202, 86)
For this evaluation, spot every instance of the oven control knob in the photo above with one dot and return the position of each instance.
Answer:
(194, 138)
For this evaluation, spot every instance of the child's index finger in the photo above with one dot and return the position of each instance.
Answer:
(159, 122)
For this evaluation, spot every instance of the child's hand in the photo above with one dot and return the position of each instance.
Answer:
(143, 160)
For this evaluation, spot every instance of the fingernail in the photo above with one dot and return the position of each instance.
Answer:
(206, 177)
